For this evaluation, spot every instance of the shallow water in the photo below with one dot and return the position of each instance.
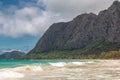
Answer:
(60, 70)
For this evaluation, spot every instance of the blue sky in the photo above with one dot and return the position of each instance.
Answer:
(23, 22)
(24, 43)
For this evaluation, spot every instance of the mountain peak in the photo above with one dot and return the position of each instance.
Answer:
(115, 7)
(116, 2)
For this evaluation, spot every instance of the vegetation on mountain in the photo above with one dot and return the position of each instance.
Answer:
(12, 55)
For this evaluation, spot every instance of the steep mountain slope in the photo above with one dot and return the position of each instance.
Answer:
(12, 55)
(82, 31)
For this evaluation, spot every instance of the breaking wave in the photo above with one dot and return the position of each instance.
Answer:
(63, 64)
(58, 64)
(36, 69)
(29, 68)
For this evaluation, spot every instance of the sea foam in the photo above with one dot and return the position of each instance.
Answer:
(58, 64)
(78, 63)
(10, 74)
(29, 68)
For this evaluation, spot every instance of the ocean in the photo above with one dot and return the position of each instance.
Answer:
(59, 69)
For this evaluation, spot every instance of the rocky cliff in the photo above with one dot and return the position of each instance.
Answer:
(83, 30)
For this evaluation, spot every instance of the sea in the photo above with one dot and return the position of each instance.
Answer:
(59, 69)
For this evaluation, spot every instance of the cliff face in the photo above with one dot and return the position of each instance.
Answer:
(81, 31)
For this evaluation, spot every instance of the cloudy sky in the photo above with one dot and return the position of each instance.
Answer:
(23, 22)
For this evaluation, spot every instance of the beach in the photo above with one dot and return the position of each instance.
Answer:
(60, 70)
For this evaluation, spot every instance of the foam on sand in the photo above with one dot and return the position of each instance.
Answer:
(10, 74)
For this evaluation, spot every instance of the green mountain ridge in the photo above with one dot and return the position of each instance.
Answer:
(12, 55)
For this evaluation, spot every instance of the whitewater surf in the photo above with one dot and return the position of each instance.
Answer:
(60, 70)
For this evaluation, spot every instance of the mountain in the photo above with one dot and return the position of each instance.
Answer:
(12, 55)
(86, 35)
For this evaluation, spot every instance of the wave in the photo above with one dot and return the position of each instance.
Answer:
(63, 70)
(29, 68)
(63, 64)
(20, 72)
(78, 63)
(58, 64)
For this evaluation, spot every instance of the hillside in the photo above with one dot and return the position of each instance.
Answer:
(86, 35)
(12, 55)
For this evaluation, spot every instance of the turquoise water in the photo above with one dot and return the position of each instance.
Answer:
(17, 63)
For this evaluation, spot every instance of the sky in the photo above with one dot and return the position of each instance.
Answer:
(23, 22)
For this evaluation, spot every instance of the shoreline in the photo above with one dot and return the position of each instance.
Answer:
(59, 59)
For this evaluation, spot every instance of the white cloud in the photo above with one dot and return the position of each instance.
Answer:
(26, 21)
(34, 21)
(72, 8)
